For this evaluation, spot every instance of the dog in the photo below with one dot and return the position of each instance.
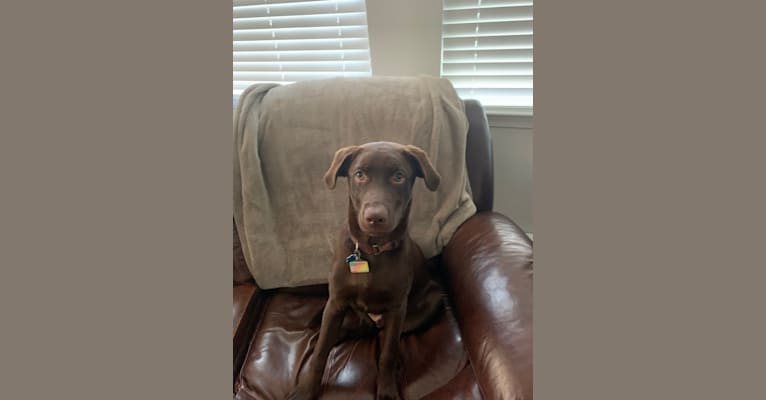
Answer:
(379, 276)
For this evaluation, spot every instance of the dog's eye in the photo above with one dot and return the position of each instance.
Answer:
(359, 174)
(398, 177)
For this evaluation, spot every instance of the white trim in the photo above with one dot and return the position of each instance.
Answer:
(507, 110)
(510, 121)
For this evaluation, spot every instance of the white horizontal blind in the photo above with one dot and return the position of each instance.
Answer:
(285, 41)
(487, 51)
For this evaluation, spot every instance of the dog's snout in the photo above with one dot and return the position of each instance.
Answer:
(376, 215)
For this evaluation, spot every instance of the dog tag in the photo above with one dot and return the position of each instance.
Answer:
(359, 267)
(355, 263)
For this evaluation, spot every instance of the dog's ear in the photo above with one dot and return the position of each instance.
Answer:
(423, 167)
(339, 165)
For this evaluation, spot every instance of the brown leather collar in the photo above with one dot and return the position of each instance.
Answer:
(377, 248)
(387, 246)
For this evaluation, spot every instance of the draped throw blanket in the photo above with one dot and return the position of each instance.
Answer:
(284, 140)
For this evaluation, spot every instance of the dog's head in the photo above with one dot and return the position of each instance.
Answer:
(380, 180)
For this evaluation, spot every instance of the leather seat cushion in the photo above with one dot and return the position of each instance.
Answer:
(436, 365)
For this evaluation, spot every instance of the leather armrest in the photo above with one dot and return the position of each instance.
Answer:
(247, 303)
(243, 294)
(489, 270)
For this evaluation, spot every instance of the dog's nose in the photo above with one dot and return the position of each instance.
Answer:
(375, 215)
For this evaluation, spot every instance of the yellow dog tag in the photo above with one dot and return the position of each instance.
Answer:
(359, 267)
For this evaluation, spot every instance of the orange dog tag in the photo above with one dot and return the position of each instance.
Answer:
(359, 267)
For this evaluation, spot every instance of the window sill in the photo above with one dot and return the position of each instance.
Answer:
(509, 120)
(509, 117)
(509, 111)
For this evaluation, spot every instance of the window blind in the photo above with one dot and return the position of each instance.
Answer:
(487, 52)
(285, 41)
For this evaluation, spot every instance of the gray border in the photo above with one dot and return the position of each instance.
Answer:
(115, 278)
(116, 200)
(649, 196)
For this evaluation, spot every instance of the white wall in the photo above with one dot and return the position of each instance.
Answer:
(405, 39)
(512, 148)
(405, 36)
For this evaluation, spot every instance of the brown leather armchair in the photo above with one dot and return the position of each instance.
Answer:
(480, 348)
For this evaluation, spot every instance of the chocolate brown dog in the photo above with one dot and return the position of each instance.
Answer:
(379, 273)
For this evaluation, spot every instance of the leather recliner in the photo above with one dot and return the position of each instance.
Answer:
(480, 348)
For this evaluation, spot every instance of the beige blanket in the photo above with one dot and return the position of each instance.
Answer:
(284, 140)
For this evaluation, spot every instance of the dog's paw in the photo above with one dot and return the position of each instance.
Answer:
(387, 390)
(302, 393)
(388, 394)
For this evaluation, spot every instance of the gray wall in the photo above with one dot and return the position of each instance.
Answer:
(405, 39)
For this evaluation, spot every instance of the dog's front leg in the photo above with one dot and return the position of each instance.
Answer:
(390, 363)
(332, 318)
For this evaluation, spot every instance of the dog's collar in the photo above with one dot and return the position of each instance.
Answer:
(378, 248)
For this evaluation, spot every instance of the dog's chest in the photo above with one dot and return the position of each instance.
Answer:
(376, 291)
(369, 292)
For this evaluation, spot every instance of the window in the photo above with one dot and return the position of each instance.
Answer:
(286, 41)
(487, 52)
